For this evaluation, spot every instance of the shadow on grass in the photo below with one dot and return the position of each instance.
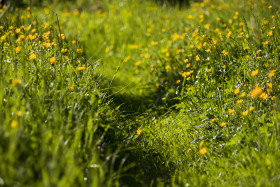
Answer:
(147, 166)
(130, 98)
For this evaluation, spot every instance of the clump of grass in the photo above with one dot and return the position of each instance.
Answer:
(53, 114)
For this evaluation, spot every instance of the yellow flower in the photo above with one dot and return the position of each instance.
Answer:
(224, 53)
(186, 60)
(63, 50)
(223, 124)
(208, 70)
(126, 59)
(271, 73)
(52, 60)
(17, 31)
(32, 56)
(178, 81)
(264, 96)
(251, 108)
(245, 113)
(73, 41)
(243, 94)
(139, 131)
(80, 68)
(230, 111)
(15, 81)
(254, 73)
(71, 89)
(79, 50)
(269, 85)
(197, 58)
(239, 101)
(213, 120)
(265, 42)
(236, 91)
(14, 124)
(270, 33)
(137, 63)
(201, 143)
(203, 151)
(207, 50)
(256, 92)
(163, 99)
(17, 49)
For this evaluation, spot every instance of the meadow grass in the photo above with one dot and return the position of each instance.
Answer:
(136, 93)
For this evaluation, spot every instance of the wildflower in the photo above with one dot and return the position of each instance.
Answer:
(270, 33)
(139, 131)
(236, 91)
(137, 63)
(178, 81)
(245, 113)
(254, 73)
(256, 92)
(201, 143)
(239, 101)
(52, 60)
(271, 73)
(186, 60)
(32, 56)
(63, 50)
(188, 65)
(15, 81)
(14, 124)
(71, 89)
(224, 53)
(80, 68)
(230, 111)
(47, 45)
(203, 151)
(208, 70)
(243, 94)
(273, 98)
(269, 85)
(17, 49)
(163, 99)
(264, 96)
(126, 59)
(73, 41)
(265, 42)
(229, 34)
(223, 124)
(213, 120)
(197, 58)
(17, 31)
(79, 50)
(251, 108)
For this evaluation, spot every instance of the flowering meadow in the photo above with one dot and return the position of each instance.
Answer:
(140, 93)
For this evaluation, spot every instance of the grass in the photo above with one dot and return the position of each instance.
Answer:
(140, 94)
